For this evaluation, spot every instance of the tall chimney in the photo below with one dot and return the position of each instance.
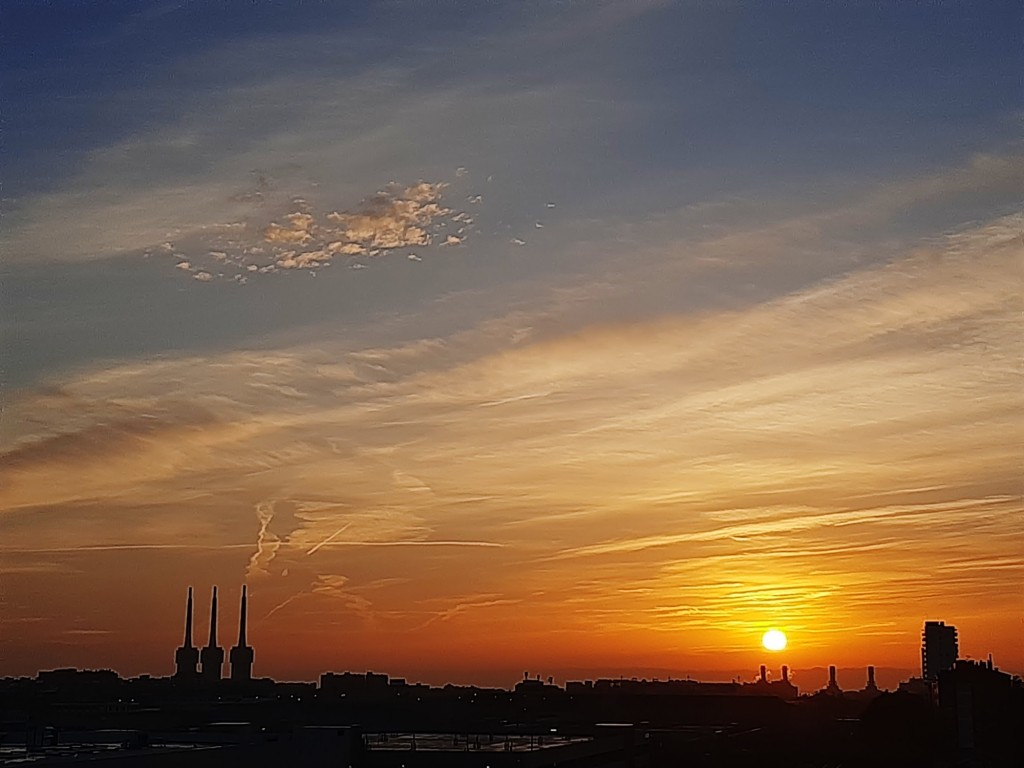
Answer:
(871, 679)
(186, 657)
(764, 674)
(211, 658)
(241, 619)
(785, 673)
(833, 686)
(241, 654)
(188, 621)
(213, 620)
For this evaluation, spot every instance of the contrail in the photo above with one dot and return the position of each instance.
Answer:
(417, 543)
(118, 547)
(266, 542)
(315, 547)
(277, 608)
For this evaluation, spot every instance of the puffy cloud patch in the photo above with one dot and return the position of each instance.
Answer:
(296, 230)
(394, 218)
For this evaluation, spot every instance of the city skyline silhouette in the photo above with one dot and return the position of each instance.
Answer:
(440, 342)
(939, 650)
(956, 711)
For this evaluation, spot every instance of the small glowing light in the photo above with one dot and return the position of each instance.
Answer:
(774, 640)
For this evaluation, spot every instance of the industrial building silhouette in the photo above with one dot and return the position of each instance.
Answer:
(968, 716)
(191, 664)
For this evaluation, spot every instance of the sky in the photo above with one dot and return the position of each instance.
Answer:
(582, 338)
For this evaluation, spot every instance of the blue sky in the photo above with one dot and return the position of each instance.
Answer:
(243, 240)
(617, 111)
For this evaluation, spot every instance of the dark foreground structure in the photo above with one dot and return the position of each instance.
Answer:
(968, 714)
(72, 717)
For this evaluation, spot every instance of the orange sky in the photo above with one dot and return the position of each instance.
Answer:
(478, 338)
(837, 463)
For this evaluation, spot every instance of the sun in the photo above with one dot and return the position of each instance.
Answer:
(774, 640)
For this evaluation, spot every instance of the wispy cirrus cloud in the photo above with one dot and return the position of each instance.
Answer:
(807, 457)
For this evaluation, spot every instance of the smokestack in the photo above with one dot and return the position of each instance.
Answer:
(186, 657)
(211, 658)
(188, 621)
(241, 620)
(871, 677)
(785, 673)
(241, 655)
(213, 620)
(832, 675)
(764, 674)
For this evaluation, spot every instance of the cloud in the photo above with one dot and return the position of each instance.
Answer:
(239, 154)
(296, 231)
(394, 218)
(267, 543)
(809, 456)
(467, 603)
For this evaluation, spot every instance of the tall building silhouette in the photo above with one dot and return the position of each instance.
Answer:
(939, 649)
(241, 654)
(187, 656)
(211, 658)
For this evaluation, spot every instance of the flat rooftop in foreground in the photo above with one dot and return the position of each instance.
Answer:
(75, 752)
(448, 742)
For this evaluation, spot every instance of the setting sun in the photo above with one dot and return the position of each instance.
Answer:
(774, 640)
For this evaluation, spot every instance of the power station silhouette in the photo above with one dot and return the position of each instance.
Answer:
(191, 664)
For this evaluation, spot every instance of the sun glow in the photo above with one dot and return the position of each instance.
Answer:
(774, 640)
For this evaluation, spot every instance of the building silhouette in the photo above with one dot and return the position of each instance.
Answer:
(241, 654)
(981, 707)
(211, 658)
(187, 656)
(970, 716)
(871, 686)
(833, 688)
(939, 649)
